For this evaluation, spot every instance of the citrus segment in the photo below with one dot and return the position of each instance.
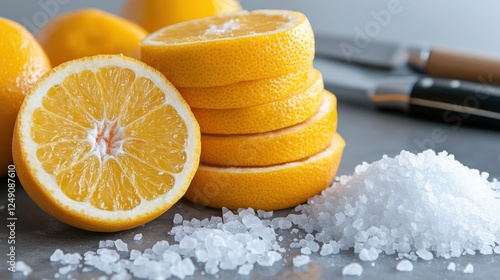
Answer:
(22, 61)
(231, 48)
(245, 94)
(274, 147)
(88, 32)
(105, 143)
(155, 14)
(291, 110)
(267, 188)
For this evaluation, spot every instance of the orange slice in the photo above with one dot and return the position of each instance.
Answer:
(105, 143)
(288, 111)
(274, 147)
(267, 188)
(231, 48)
(246, 93)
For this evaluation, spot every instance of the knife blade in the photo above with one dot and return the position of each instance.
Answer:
(449, 100)
(435, 61)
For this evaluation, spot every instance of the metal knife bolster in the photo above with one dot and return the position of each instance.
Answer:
(394, 94)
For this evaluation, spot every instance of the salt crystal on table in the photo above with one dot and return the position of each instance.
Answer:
(121, 246)
(138, 237)
(65, 269)
(188, 243)
(353, 269)
(368, 254)
(404, 265)
(424, 254)
(178, 218)
(110, 243)
(74, 258)
(22, 267)
(265, 215)
(306, 251)
(183, 268)
(160, 247)
(452, 266)
(469, 268)
(57, 255)
(326, 249)
(301, 260)
(245, 269)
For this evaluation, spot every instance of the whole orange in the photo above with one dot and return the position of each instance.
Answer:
(89, 32)
(22, 62)
(155, 14)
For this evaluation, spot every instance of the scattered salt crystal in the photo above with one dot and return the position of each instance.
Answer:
(138, 237)
(294, 231)
(160, 247)
(424, 254)
(121, 246)
(22, 267)
(245, 269)
(305, 251)
(469, 268)
(183, 268)
(65, 269)
(134, 254)
(284, 224)
(178, 218)
(404, 265)
(326, 249)
(265, 214)
(188, 243)
(452, 266)
(353, 269)
(74, 258)
(497, 249)
(301, 260)
(110, 243)
(368, 254)
(57, 255)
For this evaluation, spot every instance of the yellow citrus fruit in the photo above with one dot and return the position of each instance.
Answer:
(288, 111)
(231, 48)
(268, 188)
(246, 93)
(22, 62)
(89, 32)
(274, 147)
(155, 14)
(105, 143)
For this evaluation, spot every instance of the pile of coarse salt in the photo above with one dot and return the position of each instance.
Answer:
(413, 205)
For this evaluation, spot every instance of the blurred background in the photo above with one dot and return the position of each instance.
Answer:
(462, 24)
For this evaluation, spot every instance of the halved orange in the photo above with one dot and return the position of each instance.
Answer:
(267, 188)
(231, 48)
(105, 143)
(288, 111)
(246, 93)
(274, 147)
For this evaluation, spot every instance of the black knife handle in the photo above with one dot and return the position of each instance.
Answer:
(456, 102)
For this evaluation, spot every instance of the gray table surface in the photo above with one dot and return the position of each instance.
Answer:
(369, 135)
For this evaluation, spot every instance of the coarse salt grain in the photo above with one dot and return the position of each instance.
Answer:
(469, 268)
(22, 267)
(138, 237)
(352, 269)
(300, 260)
(404, 265)
(413, 204)
(451, 266)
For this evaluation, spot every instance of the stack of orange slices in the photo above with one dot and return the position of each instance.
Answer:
(268, 125)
